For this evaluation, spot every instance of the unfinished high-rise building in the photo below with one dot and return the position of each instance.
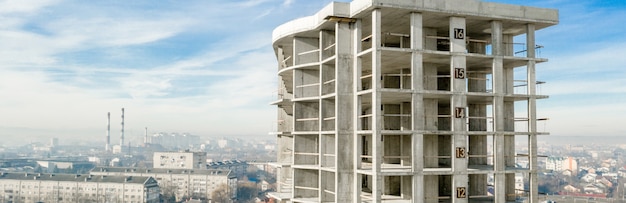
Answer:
(409, 101)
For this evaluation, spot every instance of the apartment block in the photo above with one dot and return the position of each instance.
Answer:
(183, 183)
(37, 187)
(179, 160)
(408, 101)
(562, 163)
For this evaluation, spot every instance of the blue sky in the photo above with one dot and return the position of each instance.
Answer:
(207, 67)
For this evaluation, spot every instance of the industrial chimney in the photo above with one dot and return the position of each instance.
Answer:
(145, 137)
(107, 147)
(122, 136)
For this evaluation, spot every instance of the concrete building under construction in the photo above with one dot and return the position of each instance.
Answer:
(409, 101)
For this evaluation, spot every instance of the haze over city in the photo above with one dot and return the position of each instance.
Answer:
(207, 67)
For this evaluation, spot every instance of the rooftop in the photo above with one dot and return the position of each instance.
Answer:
(478, 14)
(74, 178)
(215, 172)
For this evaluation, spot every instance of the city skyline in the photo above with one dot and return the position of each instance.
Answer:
(187, 67)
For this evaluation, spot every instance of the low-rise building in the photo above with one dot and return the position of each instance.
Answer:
(56, 166)
(183, 183)
(37, 187)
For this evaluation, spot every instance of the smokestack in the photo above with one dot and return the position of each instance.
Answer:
(145, 137)
(107, 146)
(122, 136)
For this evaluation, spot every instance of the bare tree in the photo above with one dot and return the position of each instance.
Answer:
(168, 191)
(221, 194)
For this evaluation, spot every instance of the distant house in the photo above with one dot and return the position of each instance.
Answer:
(602, 180)
(571, 189)
(567, 172)
(264, 185)
(589, 178)
(593, 189)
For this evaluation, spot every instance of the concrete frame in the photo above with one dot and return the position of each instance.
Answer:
(407, 101)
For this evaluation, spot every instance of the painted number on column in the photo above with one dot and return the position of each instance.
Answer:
(459, 112)
(459, 33)
(460, 152)
(459, 73)
(461, 192)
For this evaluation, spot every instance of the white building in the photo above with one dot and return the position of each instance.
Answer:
(31, 187)
(519, 183)
(562, 163)
(223, 143)
(179, 160)
(184, 183)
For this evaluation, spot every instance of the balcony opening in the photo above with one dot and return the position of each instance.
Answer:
(396, 151)
(306, 184)
(437, 151)
(306, 151)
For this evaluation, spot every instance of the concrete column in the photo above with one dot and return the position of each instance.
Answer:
(509, 118)
(509, 82)
(432, 191)
(356, 78)
(377, 180)
(417, 32)
(431, 147)
(344, 114)
(457, 35)
(508, 45)
(292, 171)
(530, 41)
(418, 115)
(496, 38)
(321, 178)
(532, 112)
(459, 103)
(498, 111)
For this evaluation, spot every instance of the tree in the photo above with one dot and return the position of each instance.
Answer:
(246, 191)
(221, 194)
(548, 184)
(168, 191)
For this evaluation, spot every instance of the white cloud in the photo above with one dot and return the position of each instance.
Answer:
(288, 3)
(252, 3)
(23, 6)
(117, 31)
(265, 13)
